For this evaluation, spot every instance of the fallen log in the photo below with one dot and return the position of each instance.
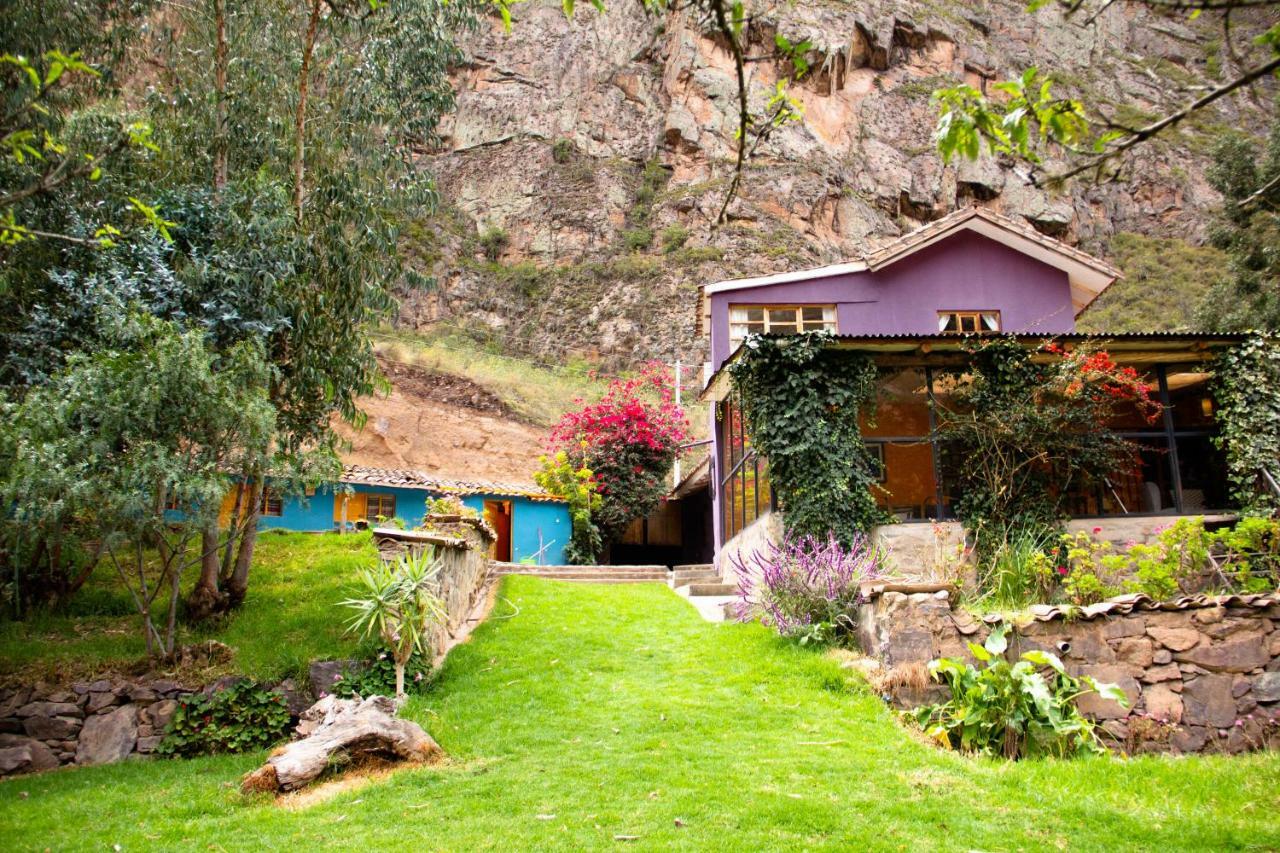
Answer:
(342, 727)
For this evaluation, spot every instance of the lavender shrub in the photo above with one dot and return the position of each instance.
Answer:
(806, 582)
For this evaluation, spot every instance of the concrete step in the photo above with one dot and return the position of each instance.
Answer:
(712, 589)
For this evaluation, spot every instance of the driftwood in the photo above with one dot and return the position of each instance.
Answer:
(350, 727)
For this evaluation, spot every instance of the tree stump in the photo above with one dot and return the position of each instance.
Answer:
(350, 727)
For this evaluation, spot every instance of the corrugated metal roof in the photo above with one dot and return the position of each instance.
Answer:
(402, 478)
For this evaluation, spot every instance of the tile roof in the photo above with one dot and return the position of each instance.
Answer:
(403, 478)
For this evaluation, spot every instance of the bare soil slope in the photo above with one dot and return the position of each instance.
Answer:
(444, 425)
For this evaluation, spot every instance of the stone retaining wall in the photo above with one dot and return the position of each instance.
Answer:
(1202, 674)
(92, 722)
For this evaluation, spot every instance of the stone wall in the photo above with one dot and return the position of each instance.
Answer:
(462, 546)
(1202, 674)
(92, 722)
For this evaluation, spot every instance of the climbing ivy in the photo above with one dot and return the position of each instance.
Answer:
(802, 400)
(1247, 389)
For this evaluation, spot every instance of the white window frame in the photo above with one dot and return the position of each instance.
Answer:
(740, 326)
(983, 322)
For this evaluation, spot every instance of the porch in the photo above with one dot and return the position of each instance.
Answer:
(1179, 471)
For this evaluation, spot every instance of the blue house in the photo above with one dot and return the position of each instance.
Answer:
(531, 525)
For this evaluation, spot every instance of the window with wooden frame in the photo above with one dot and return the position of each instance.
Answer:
(968, 322)
(380, 506)
(272, 503)
(778, 320)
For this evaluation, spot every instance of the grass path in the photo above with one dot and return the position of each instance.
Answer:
(595, 712)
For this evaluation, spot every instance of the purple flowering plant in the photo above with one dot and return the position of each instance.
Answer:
(806, 583)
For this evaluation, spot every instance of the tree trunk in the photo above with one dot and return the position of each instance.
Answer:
(206, 598)
(399, 681)
(220, 120)
(300, 118)
(238, 585)
(234, 532)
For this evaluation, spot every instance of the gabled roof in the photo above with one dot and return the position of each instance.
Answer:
(403, 478)
(1088, 275)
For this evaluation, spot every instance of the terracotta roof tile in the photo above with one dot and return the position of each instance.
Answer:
(404, 478)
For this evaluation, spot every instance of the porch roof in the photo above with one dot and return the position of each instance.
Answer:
(403, 478)
(901, 350)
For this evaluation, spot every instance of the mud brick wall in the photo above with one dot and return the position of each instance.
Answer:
(1202, 674)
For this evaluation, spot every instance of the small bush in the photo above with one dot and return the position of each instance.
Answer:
(377, 676)
(637, 239)
(243, 716)
(493, 242)
(563, 151)
(807, 587)
(1012, 709)
(674, 237)
(450, 505)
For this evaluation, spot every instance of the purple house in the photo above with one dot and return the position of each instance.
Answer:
(909, 306)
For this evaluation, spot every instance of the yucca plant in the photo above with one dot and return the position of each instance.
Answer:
(399, 606)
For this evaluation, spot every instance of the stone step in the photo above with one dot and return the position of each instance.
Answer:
(703, 589)
(684, 577)
(656, 577)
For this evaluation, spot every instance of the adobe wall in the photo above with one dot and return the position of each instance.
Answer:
(1202, 674)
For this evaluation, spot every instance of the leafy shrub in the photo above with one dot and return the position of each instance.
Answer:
(1012, 709)
(636, 239)
(1250, 552)
(563, 150)
(577, 485)
(807, 587)
(241, 717)
(493, 242)
(450, 505)
(674, 237)
(1017, 573)
(377, 676)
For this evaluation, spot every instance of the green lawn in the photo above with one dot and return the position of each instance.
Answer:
(582, 713)
(289, 618)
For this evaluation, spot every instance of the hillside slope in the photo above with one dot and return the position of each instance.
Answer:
(587, 159)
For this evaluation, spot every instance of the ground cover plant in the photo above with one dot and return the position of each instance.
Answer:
(582, 714)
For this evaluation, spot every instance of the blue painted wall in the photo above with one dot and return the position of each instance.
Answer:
(534, 524)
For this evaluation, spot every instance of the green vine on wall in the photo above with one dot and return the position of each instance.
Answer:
(802, 400)
(1247, 390)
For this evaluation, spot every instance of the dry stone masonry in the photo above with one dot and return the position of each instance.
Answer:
(1202, 673)
(91, 722)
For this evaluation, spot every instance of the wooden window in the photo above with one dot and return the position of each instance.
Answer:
(968, 322)
(381, 506)
(272, 503)
(778, 320)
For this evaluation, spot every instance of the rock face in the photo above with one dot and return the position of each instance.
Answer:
(1200, 674)
(348, 727)
(599, 254)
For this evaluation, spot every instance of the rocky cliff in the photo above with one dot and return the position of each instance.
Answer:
(587, 159)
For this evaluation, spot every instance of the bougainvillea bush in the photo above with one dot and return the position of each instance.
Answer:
(629, 441)
(807, 586)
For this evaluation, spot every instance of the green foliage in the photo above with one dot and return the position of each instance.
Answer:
(1026, 116)
(1016, 573)
(1165, 281)
(399, 604)
(376, 676)
(450, 505)
(1250, 553)
(1247, 390)
(1016, 710)
(1248, 231)
(674, 236)
(563, 150)
(245, 716)
(637, 239)
(578, 487)
(493, 242)
(802, 399)
(100, 451)
(1019, 433)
